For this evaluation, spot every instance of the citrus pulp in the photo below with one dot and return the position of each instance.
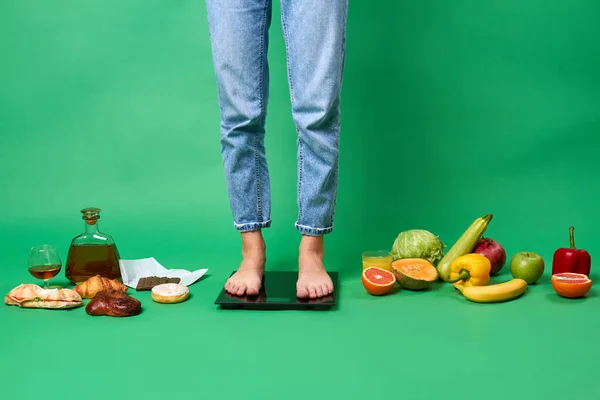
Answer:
(571, 285)
(378, 281)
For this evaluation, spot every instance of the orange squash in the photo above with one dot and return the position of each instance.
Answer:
(414, 273)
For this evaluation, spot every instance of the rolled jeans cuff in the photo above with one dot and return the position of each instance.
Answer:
(252, 226)
(308, 230)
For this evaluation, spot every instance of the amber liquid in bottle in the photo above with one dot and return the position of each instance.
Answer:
(87, 260)
(92, 253)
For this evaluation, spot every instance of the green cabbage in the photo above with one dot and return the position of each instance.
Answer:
(418, 243)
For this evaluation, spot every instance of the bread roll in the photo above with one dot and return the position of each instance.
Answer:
(114, 304)
(169, 293)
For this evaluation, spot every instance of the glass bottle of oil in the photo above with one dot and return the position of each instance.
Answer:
(92, 252)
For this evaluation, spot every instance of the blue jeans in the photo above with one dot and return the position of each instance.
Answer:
(315, 39)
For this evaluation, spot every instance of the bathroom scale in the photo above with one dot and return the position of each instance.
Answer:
(278, 293)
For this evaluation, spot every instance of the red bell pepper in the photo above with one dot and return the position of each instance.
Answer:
(571, 259)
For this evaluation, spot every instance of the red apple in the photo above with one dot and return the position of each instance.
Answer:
(493, 252)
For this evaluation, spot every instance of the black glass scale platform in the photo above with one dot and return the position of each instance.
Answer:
(279, 293)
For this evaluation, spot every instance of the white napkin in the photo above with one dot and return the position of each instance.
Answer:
(133, 270)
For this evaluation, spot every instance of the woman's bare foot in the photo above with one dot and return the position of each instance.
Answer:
(248, 278)
(313, 280)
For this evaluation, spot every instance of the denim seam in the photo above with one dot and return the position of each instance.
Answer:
(250, 226)
(257, 179)
(300, 176)
(262, 55)
(342, 62)
(252, 223)
(259, 209)
(314, 231)
(335, 191)
(298, 138)
(287, 58)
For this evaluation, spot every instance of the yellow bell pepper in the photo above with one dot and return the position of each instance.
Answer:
(470, 270)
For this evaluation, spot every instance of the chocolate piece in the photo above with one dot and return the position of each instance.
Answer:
(149, 282)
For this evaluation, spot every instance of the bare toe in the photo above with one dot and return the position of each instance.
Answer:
(230, 286)
(325, 290)
(313, 292)
(252, 290)
(241, 289)
(302, 291)
(319, 291)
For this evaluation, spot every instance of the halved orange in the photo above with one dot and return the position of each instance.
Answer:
(571, 285)
(378, 281)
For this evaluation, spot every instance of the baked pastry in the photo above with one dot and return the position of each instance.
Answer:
(97, 283)
(114, 304)
(169, 293)
(33, 296)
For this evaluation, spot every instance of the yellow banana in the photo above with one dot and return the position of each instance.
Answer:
(494, 293)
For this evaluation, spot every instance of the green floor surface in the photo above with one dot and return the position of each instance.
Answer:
(411, 345)
(450, 111)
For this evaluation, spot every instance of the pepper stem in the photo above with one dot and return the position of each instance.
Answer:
(463, 275)
(572, 236)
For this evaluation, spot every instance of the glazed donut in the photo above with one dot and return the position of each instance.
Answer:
(169, 293)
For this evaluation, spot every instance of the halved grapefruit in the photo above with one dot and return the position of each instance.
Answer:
(571, 285)
(378, 281)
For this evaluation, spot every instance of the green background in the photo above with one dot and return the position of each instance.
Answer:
(451, 110)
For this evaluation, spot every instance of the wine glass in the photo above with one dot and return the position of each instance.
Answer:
(44, 263)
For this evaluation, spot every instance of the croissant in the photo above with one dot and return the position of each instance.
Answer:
(113, 304)
(97, 283)
(33, 296)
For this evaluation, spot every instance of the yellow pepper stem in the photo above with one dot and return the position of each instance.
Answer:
(463, 275)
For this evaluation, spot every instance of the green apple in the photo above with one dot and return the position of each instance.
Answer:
(528, 266)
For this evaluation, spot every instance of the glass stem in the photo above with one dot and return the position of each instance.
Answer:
(45, 283)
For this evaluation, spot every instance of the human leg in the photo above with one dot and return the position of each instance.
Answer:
(239, 41)
(315, 36)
